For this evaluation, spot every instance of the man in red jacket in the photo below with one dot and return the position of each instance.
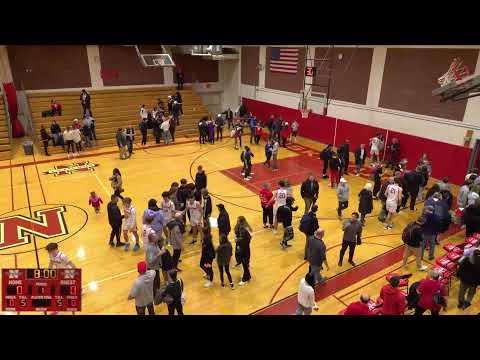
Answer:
(359, 307)
(393, 299)
(427, 289)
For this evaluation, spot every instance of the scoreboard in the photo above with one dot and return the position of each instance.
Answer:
(41, 290)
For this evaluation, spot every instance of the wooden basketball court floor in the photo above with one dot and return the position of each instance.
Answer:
(107, 273)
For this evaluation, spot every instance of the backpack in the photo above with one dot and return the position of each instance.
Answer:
(413, 297)
(305, 224)
(408, 231)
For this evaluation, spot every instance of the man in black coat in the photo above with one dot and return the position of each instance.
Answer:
(180, 78)
(143, 129)
(176, 111)
(313, 226)
(326, 155)
(344, 153)
(115, 220)
(309, 192)
(200, 179)
(45, 139)
(85, 100)
(317, 255)
(270, 122)
(413, 181)
(360, 157)
(229, 117)
(223, 220)
(242, 110)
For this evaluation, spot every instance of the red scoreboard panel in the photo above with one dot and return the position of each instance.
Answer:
(41, 289)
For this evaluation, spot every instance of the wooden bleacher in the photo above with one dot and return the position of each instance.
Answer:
(113, 109)
(5, 146)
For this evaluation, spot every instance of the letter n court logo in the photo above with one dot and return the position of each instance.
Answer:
(17, 230)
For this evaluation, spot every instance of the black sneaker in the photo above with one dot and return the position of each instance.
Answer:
(111, 244)
(352, 263)
(232, 286)
(460, 305)
(119, 243)
(222, 285)
(340, 263)
(466, 305)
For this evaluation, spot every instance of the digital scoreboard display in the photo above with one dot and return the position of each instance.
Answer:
(41, 290)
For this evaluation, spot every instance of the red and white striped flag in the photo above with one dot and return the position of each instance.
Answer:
(284, 60)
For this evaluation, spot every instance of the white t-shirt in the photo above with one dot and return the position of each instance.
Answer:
(295, 126)
(195, 211)
(165, 125)
(60, 261)
(374, 142)
(281, 197)
(67, 135)
(306, 294)
(393, 193)
(168, 210)
(130, 220)
(143, 113)
(146, 230)
(77, 137)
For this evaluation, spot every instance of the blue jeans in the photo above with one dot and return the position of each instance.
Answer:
(431, 239)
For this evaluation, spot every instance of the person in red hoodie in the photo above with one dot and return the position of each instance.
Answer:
(427, 289)
(359, 307)
(258, 133)
(393, 298)
(267, 206)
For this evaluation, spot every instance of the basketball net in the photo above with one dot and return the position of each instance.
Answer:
(457, 71)
(305, 113)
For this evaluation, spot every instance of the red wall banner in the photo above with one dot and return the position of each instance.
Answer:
(11, 93)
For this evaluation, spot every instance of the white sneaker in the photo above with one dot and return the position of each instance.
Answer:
(208, 284)
(423, 268)
(241, 283)
(246, 179)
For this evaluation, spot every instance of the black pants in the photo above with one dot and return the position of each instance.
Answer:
(78, 146)
(176, 305)
(144, 138)
(413, 198)
(180, 85)
(257, 139)
(176, 257)
(351, 250)
(130, 146)
(94, 134)
(376, 188)
(362, 217)
(85, 107)
(45, 146)
(117, 194)
(172, 133)
(267, 214)
(208, 271)
(227, 271)
(248, 169)
(246, 271)
(156, 282)
(404, 198)
(115, 232)
(203, 138)
(420, 311)
(252, 136)
(219, 132)
(70, 145)
(325, 167)
(341, 206)
(267, 162)
(141, 309)
(345, 167)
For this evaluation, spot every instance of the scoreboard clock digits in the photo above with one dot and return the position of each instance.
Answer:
(41, 290)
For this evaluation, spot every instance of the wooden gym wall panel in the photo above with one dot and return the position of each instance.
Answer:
(282, 81)
(350, 75)
(125, 61)
(250, 61)
(52, 67)
(195, 68)
(411, 74)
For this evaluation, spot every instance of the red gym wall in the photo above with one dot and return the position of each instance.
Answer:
(125, 62)
(52, 67)
(322, 129)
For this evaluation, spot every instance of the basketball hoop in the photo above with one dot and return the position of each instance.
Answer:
(305, 113)
(457, 71)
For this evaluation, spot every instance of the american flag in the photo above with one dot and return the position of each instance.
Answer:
(284, 60)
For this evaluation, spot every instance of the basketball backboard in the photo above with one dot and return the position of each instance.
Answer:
(155, 60)
(465, 88)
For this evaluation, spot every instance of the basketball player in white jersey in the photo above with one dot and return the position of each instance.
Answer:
(58, 260)
(394, 196)
(130, 224)
(374, 148)
(280, 199)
